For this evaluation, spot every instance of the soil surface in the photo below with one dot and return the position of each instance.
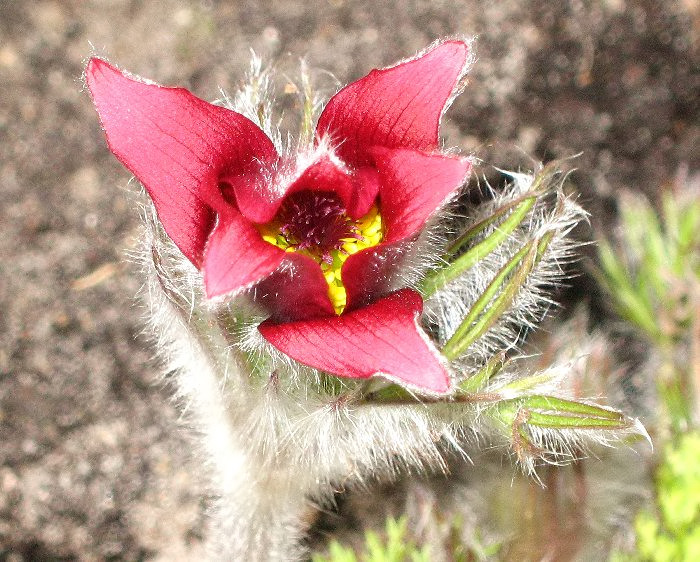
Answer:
(93, 464)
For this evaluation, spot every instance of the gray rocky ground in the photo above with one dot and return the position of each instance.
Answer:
(92, 463)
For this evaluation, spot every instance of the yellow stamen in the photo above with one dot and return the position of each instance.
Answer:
(338, 297)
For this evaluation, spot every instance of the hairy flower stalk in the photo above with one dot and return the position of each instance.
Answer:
(328, 317)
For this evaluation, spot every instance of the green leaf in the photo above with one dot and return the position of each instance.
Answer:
(390, 392)
(477, 381)
(629, 302)
(556, 404)
(480, 250)
(529, 382)
(481, 316)
(519, 209)
(688, 231)
(551, 412)
(571, 421)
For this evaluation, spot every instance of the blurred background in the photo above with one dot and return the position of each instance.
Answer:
(93, 465)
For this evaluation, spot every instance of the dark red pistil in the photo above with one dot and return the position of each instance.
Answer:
(315, 221)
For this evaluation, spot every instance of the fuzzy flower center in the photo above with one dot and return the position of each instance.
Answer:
(314, 223)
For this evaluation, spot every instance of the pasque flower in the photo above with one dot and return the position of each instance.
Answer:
(316, 238)
(328, 249)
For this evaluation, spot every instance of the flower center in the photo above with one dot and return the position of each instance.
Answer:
(314, 223)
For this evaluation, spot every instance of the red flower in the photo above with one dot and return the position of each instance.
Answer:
(319, 242)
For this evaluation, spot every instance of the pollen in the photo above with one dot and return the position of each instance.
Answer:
(315, 224)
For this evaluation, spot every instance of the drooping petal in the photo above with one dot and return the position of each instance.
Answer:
(413, 185)
(236, 256)
(296, 291)
(178, 146)
(396, 107)
(383, 338)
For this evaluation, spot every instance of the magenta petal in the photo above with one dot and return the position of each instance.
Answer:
(366, 189)
(296, 291)
(383, 338)
(178, 146)
(372, 273)
(325, 175)
(395, 107)
(253, 198)
(259, 201)
(413, 185)
(236, 256)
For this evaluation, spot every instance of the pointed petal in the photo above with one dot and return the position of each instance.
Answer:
(381, 339)
(395, 107)
(236, 256)
(413, 185)
(178, 146)
(296, 291)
